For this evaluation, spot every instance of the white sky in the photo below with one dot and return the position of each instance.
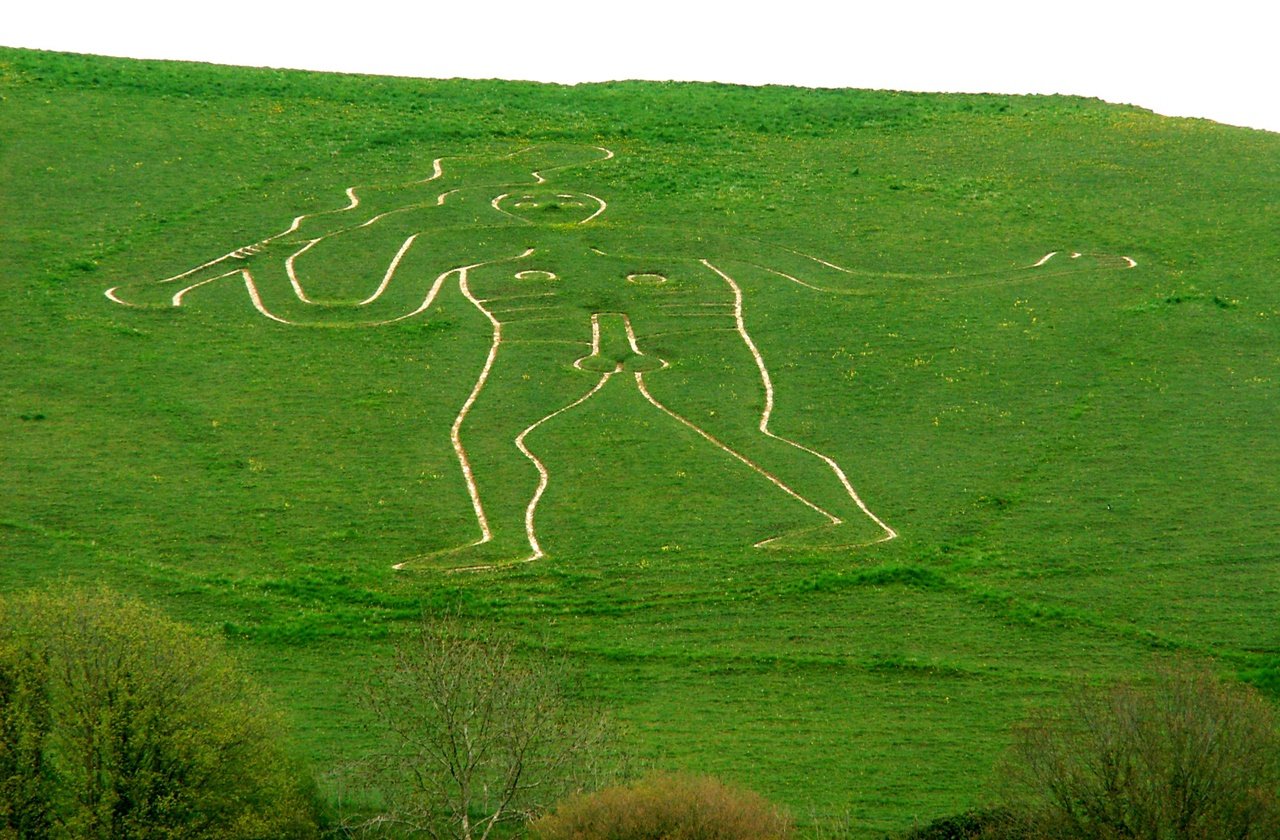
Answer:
(1217, 60)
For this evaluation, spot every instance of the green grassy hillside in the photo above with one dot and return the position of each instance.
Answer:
(1079, 459)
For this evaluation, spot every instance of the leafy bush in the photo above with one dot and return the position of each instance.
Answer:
(116, 722)
(971, 825)
(1190, 757)
(665, 807)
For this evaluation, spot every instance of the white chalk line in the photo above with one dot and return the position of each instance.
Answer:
(257, 301)
(694, 331)
(454, 550)
(568, 341)
(486, 533)
(799, 281)
(890, 533)
(293, 277)
(494, 205)
(250, 287)
(228, 256)
(382, 286)
(633, 343)
(631, 340)
(544, 477)
(767, 413)
(603, 206)
(111, 296)
(437, 170)
(176, 300)
(455, 431)
(698, 314)
(473, 491)
(539, 180)
(426, 302)
(819, 260)
(508, 310)
(436, 286)
(1130, 263)
(537, 174)
(249, 284)
(353, 201)
(639, 375)
(519, 297)
(391, 270)
(524, 321)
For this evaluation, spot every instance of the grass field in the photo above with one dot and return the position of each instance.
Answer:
(1080, 460)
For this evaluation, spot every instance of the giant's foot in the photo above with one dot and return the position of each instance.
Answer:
(849, 534)
(478, 556)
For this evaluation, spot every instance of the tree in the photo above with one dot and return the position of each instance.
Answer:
(116, 722)
(1190, 757)
(25, 783)
(475, 735)
(665, 807)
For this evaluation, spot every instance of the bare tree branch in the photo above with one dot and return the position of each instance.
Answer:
(476, 734)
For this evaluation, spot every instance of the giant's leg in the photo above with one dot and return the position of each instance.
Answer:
(527, 380)
(721, 382)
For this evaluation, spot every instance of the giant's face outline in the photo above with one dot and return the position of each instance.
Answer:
(541, 206)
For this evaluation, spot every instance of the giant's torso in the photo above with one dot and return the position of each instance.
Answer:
(552, 291)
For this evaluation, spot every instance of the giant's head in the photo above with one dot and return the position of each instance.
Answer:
(544, 206)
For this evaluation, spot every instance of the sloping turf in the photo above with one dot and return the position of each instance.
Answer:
(1079, 459)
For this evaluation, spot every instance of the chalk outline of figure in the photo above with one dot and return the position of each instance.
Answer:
(514, 204)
